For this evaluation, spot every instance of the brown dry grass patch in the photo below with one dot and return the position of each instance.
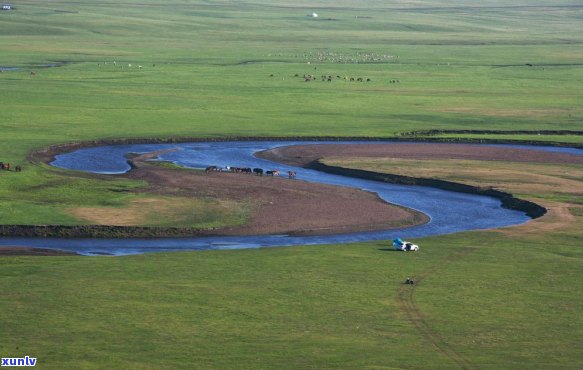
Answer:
(137, 212)
(161, 211)
(525, 178)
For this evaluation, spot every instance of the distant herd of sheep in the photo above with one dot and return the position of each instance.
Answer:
(329, 78)
(305, 77)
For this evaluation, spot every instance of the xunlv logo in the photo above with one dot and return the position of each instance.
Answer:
(19, 361)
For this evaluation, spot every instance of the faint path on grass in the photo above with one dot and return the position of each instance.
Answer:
(414, 315)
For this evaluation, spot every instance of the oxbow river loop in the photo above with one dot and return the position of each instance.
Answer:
(449, 212)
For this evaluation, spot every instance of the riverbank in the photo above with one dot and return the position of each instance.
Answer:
(301, 155)
(28, 251)
(281, 205)
(47, 154)
(310, 156)
(281, 210)
(273, 205)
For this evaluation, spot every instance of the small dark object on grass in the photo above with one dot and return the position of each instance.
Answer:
(409, 281)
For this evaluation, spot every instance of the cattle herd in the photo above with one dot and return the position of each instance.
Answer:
(248, 170)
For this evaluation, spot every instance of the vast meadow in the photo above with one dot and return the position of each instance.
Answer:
(90, 70)
(74, 71)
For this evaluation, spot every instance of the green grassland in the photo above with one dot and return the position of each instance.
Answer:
(206, 71)
(484, 299)
(535, 259)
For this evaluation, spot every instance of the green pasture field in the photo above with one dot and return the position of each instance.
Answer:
(228, 68)
(212, 69)
(206, 71)
(554, 239)
(482, 300)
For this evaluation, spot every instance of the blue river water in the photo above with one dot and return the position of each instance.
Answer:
(449, 212)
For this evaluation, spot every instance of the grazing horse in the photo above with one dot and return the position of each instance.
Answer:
(291, 174)
(272, 173)
(258, 171)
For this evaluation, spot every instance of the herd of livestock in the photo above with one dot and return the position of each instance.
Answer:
(248, 170)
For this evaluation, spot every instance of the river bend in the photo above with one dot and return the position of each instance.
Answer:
(449, 212)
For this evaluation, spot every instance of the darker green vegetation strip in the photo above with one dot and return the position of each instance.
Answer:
(494, 132)
(100, 231)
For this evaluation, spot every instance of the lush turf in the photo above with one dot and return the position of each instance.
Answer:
(486, 299)
(532, 302)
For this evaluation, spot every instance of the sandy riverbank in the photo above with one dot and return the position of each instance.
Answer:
(283, 206)
(301, 155)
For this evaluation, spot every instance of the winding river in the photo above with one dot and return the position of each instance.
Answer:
(449, 212)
